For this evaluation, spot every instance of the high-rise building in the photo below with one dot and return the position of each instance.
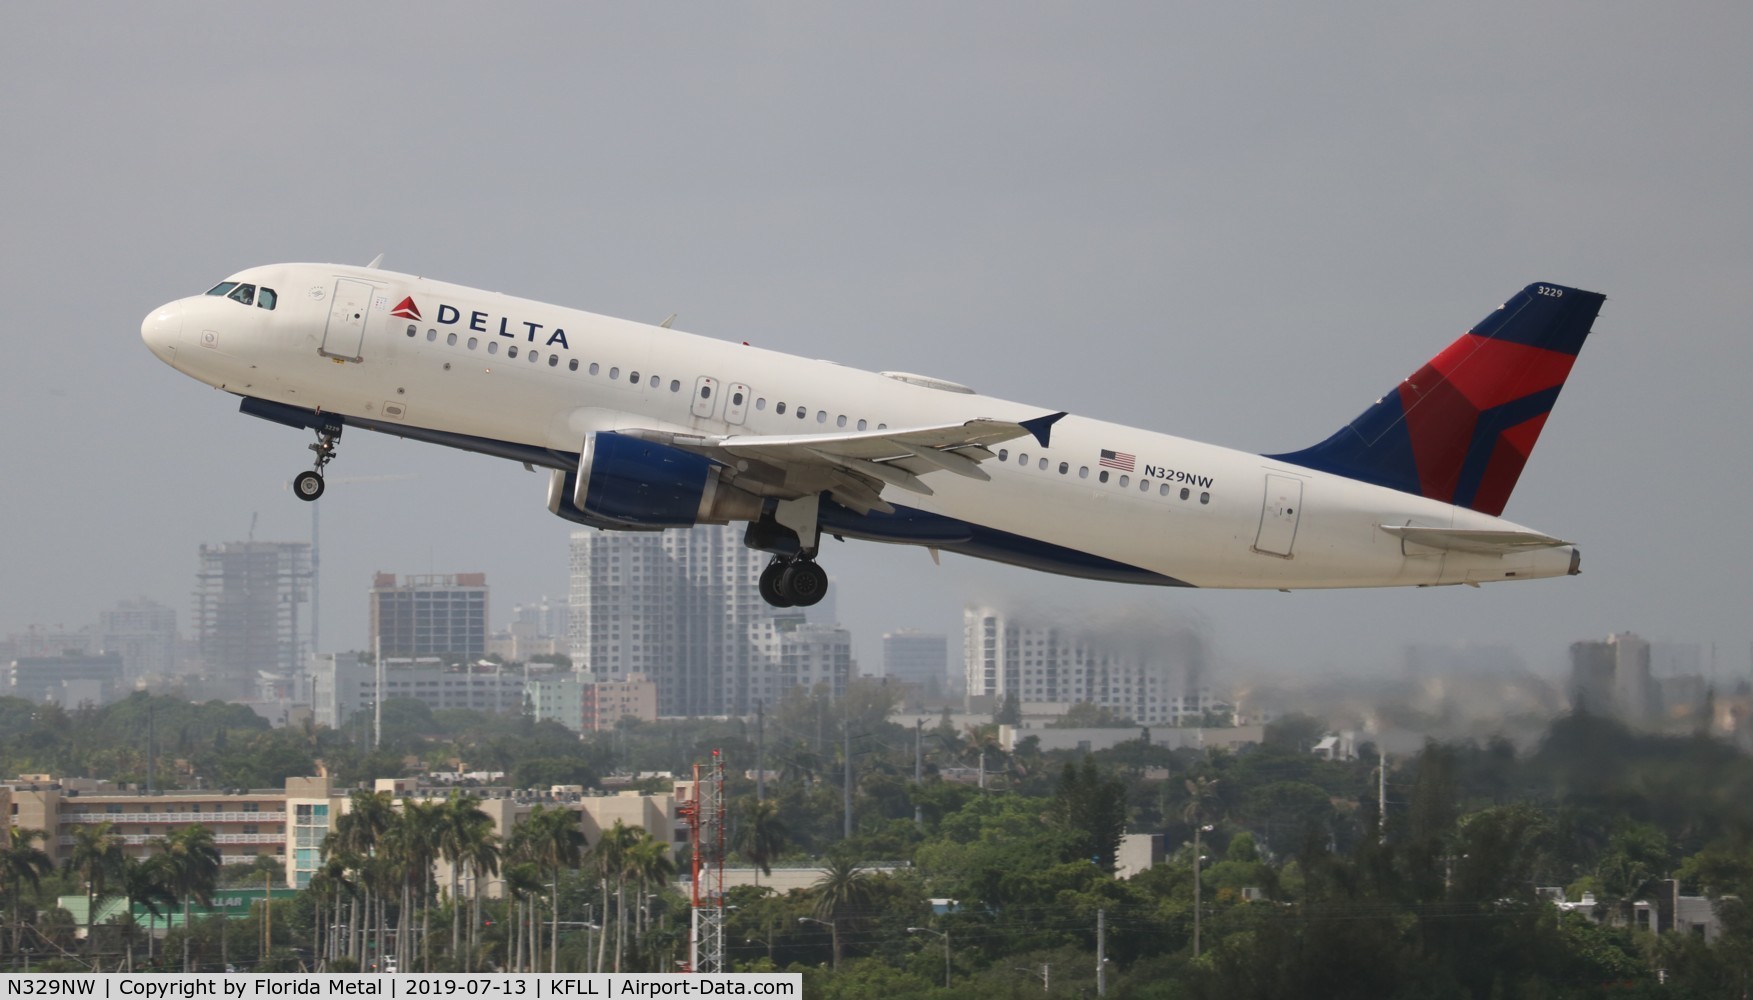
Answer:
(1153, 674)
(70, 679)
(1612, 677)
(247, 601)
(917, 658)
(684, 609)
(144, 634)
(430, 615)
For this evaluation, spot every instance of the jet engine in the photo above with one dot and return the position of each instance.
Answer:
(626, 484)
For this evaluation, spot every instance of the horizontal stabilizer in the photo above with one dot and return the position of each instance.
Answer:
(1473, 540)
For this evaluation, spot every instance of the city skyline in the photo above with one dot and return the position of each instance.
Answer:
(1198, 222)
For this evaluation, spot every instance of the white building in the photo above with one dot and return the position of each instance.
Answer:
(1150, 674)
(684, 609)
(917, 658)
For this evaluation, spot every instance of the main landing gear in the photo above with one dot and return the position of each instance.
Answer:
(309, 485)
(789, 530)
(794, 582)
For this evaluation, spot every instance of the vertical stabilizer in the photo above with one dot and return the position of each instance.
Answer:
(1460, 428)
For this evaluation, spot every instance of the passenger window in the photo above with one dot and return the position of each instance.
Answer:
(1204, 498)
(1185, 493)
(572, 365)
(1164, 491)
(1144, 486)
(736, 399)
(451, 341)
(882, 427)
(821, 416)
(492, 347)
(705, 392)
(266, 299)
(760, 402)
(1103, 477)
(593, 368)
(1022, 459)
(511, 352)
(1125, 480)
(535, 356)
(1083, 472)
(553, 360)
(633, 377)
(1043, 465)
(840, 421)
(412, 329)
(615, 374)
(222, 288)
(675, 385)
(1064, 467)
(802, 412)
(431, 335)
(779, 408)
(243, 293)
(861, 423)
(473, 341)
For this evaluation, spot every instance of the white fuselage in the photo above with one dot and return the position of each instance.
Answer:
(1186, 512)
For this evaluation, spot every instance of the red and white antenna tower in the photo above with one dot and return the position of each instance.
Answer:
(705, 814)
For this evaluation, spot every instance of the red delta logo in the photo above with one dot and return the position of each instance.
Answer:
(406, 309)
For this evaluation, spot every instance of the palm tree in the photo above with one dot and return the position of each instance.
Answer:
(650, 859)
(191, 861)
(844, 888)
(557, 843)
(368, 817)
(763, 836)
(465, 837)
(145, 883)
(22, 863)
(96, 855)
(610, 855)
(417, 840)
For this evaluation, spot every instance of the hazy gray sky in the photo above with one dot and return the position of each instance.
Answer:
(1237, 223)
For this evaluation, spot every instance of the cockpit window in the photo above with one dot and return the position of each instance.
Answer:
(266, 299)
(222, 288)
(243, 293)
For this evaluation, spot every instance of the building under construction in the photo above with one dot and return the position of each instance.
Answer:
(247, 601)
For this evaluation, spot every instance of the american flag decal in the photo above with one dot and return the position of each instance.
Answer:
(1118, 460)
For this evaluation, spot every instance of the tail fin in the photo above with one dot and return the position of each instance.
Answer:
(1461, 427)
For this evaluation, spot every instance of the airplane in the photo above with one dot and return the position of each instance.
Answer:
(646, 427)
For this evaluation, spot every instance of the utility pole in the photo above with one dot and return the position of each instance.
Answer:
(1381, 795)
(1197, 827)
(760, 751)
(846, 793)
(377, 702)
(919, 773)
(1101, 953)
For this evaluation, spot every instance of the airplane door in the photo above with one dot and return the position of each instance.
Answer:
(705, 396)
(1279, 512)
(345, 333)
(736, 404)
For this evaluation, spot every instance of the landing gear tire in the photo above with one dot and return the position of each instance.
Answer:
(307, 485)
(772, 585)
(804, 583)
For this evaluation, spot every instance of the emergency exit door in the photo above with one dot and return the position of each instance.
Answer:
(345, 334)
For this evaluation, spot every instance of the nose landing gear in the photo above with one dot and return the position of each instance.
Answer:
(308, 486)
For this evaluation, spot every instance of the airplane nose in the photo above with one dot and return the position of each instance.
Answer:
(161, 330)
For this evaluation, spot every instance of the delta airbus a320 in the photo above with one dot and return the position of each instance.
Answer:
(645, 428)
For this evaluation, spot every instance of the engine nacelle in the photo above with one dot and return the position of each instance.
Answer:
(628, 484)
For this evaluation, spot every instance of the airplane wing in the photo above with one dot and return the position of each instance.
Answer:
(1473, 540)
(854, 468)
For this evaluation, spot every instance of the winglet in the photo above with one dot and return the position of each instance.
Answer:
(1041, 427)
(375, 261)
